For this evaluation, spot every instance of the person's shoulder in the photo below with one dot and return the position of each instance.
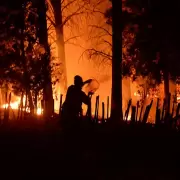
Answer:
(71, 87)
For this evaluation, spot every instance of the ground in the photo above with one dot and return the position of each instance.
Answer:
(39, 151)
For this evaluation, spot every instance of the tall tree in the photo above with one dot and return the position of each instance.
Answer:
(121, 19)
(58, 25)
(157, 41)
(21, 62)
(102, 45)
(116, 107)
(67, 14)
(43, 39)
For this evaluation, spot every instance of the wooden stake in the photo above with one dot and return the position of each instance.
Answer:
(107, 108)
(133, 114)
(97, 108)
(103, 112)
(157, 121)
(60, 105)
(162, 116)
(127, 111)
(146, 114)
(137, 108)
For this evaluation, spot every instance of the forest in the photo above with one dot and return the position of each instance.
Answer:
(119, 119)
(138, 42)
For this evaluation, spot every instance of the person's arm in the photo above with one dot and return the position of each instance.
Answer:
(87, 81)
(90, 93)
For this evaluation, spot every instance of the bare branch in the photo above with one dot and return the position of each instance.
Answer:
(108, 43)
(99, 3)
(95, 52)
(50, 6)
(73, 14)
(62, 1)
(49, 27)
(97, 37)
(71, 38)
(78, 45)
(98, 11)
(50, 33)
(68, 4)
(52, 22)
(102, 28)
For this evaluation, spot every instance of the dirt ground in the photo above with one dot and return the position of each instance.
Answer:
(39, 151)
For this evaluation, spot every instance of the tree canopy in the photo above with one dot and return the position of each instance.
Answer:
(155, 31)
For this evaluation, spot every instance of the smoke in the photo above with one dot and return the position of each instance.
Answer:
(104, 79)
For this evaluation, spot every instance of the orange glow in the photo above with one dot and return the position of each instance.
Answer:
(39, 111)
(136, 94)
(15, 106)
(129, 117)
(74, 47)
(93, 68)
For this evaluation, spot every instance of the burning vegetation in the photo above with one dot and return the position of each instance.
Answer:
(34, 70)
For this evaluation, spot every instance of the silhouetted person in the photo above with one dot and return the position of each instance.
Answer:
(72, 107)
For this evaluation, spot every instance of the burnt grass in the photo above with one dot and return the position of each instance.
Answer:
(39, 150)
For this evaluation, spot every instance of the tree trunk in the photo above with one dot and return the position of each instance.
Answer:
(166, 92)
(36, 100)
(60, 44)
(31, 105)
(165, 64)
(116, 106)
(43, 39)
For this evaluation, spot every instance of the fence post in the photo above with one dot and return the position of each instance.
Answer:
(107, 107)
(97, 109)
(103, 112)
(60, 104)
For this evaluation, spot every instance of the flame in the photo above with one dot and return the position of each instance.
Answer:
(129, 117)
(15, 106)
(39, 111)
(137, 94)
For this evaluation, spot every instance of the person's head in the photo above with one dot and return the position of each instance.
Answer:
(78, 81)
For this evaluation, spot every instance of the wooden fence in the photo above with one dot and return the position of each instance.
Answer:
(137, 112)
